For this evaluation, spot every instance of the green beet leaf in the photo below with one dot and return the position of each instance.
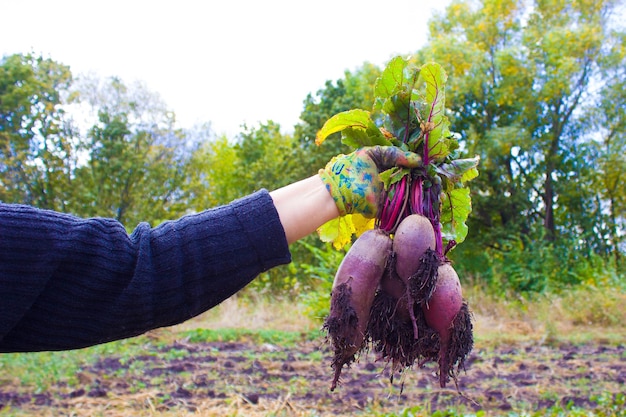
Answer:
(392, 80)
(393, 175)
(456, 206)
(435, 124)
(394, 91)
(459, 170)
(357, 129)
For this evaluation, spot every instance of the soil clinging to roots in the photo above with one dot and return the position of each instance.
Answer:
(422, 284)
(340, 325)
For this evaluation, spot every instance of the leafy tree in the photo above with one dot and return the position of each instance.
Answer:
(36, 153)
(223, 170)
(213, 179)
(520, 77)
(606, 122)
(133, 170)
(263, 154)
(355, 90)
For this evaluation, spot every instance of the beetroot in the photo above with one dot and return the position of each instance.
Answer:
(402, 297)
(397, 321)
(445, 302)
(421, 315)
(353, 292)
(447, 313)
(413, 237)
(415, 261)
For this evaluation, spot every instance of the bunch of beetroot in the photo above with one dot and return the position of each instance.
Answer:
(396, 292)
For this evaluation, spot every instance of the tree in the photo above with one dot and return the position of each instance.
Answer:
(224, 170)
(520, 78)
(133, 171)
(213, 179)
(606, 124)
(355, 90)
(263, 154)
(36, 140)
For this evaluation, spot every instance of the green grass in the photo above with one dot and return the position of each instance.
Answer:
(609, 406)
(259, 336)
(40, 370)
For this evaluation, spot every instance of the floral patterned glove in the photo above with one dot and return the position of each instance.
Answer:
(353, 182)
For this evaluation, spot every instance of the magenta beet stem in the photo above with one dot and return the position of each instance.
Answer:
(392, 209)
(384, 215)
(416, 197)
(398, 200)
(438, 238)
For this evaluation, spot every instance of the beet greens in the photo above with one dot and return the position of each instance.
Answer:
(409, 106)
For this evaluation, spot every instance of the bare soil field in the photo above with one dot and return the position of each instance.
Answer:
(262, 379)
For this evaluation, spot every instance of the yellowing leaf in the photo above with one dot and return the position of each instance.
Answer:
(469, 175)
(362, 224)
(338, 231)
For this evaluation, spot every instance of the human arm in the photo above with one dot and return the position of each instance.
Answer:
(304, 206)
(348, 183)
(67, 282)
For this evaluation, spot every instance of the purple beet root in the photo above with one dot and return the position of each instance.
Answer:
(354, 289)
(447, 313)
(416, 261)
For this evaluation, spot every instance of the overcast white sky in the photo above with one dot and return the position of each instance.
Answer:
(226, 62)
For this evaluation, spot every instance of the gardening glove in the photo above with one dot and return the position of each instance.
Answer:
(353, 181)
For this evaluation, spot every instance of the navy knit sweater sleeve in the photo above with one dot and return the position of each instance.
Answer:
(68, 283)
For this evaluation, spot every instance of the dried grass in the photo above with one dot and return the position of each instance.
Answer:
(576, 315)
(145, 404)
(254, 314)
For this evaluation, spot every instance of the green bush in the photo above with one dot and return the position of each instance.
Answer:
(320, 271)
(599, 306)
(528, 264)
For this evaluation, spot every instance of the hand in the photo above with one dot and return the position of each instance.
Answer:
(353, 181)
